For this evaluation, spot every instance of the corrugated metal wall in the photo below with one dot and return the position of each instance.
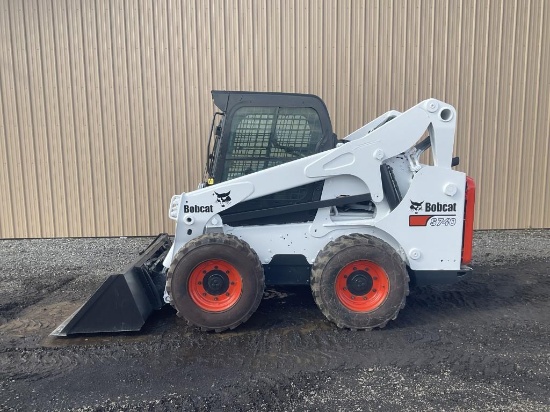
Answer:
(105, 105)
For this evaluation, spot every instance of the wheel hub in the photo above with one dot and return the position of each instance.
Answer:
(215, 285)
(216, 282)
(362, 286)
(359, 282)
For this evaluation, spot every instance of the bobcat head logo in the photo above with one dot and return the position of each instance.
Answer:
(223, 198)
(416, 206)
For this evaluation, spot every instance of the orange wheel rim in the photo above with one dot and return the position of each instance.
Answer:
(362, 286)
(215, 285)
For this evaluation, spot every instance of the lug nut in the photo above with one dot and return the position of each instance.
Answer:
(226, 293)
(200, 283)
(216, 298)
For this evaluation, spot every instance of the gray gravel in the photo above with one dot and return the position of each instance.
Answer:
(494, 247)
(481, 344)
(34, 268)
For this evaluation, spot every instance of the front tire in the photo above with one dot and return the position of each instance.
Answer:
(359, 282)
(215, 282)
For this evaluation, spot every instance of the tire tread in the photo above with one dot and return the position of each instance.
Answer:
(338, 245)
(221, 239)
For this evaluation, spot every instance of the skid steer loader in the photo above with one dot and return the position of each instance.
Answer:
(283, 202)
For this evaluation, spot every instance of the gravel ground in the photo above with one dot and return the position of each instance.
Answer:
(481, 344)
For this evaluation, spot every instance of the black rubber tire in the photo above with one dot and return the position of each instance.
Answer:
(344, 250)
(216, 246)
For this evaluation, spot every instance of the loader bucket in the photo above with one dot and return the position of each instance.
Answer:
(125, 300)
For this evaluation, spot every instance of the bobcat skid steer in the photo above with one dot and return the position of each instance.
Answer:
(283, 202)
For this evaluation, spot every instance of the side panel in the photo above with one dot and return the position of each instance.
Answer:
(428, 222)
(271, 240)
(425, 228)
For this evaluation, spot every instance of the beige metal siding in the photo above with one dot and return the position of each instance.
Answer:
(105, 105)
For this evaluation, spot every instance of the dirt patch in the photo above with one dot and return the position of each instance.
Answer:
(481, 344)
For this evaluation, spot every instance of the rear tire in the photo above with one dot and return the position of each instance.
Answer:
(215, 282)
(359, 282)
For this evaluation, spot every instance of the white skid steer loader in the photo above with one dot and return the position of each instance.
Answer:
(284, 202)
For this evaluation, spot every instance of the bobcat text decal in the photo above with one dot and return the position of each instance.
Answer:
(442, 218)
(198, 209)
(222, 198)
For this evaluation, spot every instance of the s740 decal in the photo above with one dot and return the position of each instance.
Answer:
(434, 220)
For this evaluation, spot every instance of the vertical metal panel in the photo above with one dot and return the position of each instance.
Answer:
(105, 106)
(117, 121)
(108, 114)
(12, 201)
(541, 133)
(49, 111)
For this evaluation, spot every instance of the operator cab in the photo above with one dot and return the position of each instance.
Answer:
(257, 130)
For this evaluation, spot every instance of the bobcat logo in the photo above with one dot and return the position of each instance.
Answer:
(416, 206)
(223, 198)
